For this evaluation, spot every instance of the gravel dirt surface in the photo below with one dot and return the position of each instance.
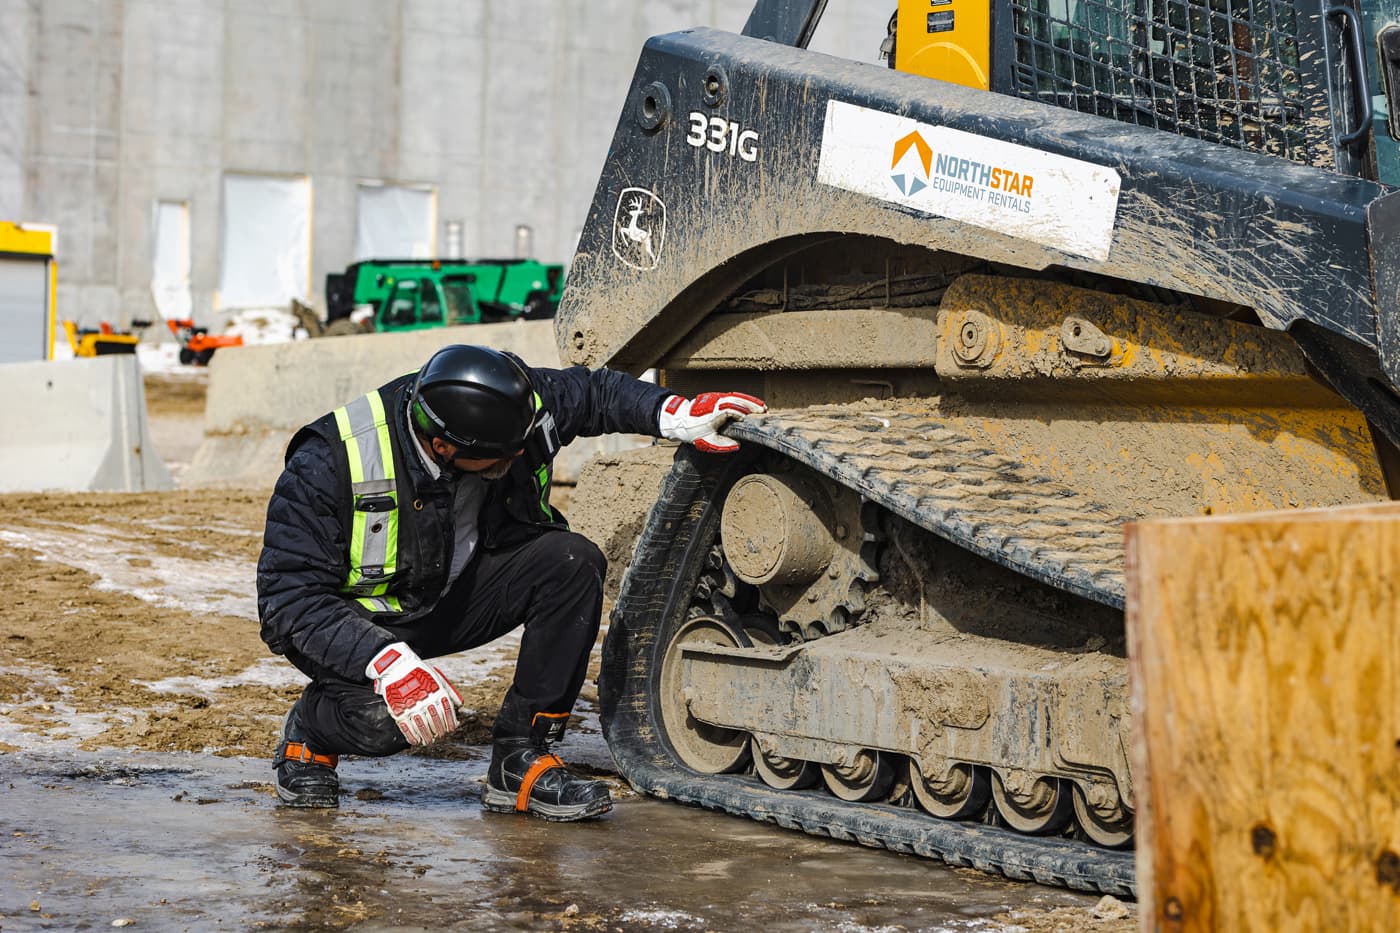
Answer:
(130, 624)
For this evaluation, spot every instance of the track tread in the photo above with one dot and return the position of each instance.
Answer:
(977, 498)
(655, 594)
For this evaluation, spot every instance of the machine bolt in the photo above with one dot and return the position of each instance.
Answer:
(715, 85)
(653, 106)
(975, 341)
(1080, 336)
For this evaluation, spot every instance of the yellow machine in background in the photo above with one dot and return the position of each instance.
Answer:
(28, 280)
(945, 39)
(100, 342)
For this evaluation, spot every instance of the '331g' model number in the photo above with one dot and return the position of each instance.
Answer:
(720, 135)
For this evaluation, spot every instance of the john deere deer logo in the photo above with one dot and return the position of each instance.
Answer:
(639, 228)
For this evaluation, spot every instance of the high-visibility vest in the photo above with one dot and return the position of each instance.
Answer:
(374, 532)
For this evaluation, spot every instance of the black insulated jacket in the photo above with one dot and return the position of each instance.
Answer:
(305, 555)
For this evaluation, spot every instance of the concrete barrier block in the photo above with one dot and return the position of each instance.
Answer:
(77, 425)
(260, 395)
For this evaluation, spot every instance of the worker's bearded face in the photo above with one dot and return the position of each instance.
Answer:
(501, 468)
(449, 460)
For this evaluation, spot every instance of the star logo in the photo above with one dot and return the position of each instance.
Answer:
(908, 179)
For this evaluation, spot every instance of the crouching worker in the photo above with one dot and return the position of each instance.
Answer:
(415, 522)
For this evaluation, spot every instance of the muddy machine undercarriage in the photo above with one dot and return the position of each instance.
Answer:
(1142, 267)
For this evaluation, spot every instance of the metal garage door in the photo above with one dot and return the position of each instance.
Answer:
(24, 310)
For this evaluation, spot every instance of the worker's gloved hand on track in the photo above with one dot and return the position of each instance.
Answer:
(697, 421)
(422, 701)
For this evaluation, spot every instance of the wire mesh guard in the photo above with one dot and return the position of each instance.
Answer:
(1237, 72)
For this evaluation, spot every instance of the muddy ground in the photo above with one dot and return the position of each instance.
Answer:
(137, 713)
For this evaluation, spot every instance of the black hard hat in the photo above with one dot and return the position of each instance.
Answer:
(476, 398)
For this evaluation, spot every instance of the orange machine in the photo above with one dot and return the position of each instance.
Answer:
(197, 345)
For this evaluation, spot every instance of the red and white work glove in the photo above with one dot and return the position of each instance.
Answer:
(423, 702)
(697, 421)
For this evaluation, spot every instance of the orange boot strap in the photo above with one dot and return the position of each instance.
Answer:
(299, 752)
(532, 774)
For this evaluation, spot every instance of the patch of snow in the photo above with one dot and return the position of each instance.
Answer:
(163, 358)
(264, 325)
(665, 919)
(479, 663)
(70, 727)
(268, 672)
(202, 587)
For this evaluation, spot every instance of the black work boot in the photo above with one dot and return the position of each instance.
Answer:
(525, 778)
(304, 778)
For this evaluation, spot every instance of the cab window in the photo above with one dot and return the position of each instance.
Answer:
(430, 309)
(403, 304)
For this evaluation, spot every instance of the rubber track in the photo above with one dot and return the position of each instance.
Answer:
(655, 596)
(909, 461)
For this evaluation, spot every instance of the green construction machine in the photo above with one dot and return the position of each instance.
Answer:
(414, 294)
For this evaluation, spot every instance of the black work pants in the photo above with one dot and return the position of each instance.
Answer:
(551, 584)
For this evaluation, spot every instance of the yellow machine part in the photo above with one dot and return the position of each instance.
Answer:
(945, 39)
(1154, 411)
(96, 343)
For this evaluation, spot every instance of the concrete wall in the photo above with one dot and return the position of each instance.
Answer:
(505, 106)
(81, 427)
(260, 396)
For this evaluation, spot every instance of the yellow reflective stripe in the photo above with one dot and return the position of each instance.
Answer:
(542, 474)
(391, 543)
(386, 454)
(364, 431)
(357, 474)
(381, 423)
(542, 479)
(342, 421)
(357, 545)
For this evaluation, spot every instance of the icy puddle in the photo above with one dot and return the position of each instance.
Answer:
(183, 842)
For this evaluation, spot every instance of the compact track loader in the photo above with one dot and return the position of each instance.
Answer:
(1133, 258)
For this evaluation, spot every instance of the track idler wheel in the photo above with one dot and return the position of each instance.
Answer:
(1114, 830)
(783, 773)
(1036, 806)
(867, 776)
(960, 792)
(701, 746)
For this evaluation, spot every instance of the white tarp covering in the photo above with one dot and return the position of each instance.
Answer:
(170, 270)
(266, 241)
(395, 222)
